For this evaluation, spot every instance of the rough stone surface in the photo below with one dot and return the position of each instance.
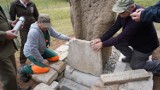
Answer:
(138, 85)
(111, 63)
(79, 77)
(71, 85)
(42, 86)
(46, 78)
(59, 66)
(91, 18)
(126, 76)
(54, 85)
(83, 58)
(99, 85)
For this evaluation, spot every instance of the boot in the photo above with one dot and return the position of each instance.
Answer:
(126, 59)
(23, 76)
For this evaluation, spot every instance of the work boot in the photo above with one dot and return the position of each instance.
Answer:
(126, 59)
(23, 76)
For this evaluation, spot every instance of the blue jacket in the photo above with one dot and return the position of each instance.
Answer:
(140, 35)
(151, 13)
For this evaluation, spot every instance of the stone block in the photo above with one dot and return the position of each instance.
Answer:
(138, 85)
(79, 77)
(46, 78)
(71, 85)
(126, 76)
(55, 85)
(83, 58)
(59, 66)
(42, 86)
(62, 48)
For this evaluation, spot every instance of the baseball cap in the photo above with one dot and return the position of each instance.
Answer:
(122, 5)
(45, 20)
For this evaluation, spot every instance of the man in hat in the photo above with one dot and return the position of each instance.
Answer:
(147, 15)
(36, 48)
(136, 41)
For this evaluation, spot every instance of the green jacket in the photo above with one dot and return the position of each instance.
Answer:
(30, 12)
(7, 47)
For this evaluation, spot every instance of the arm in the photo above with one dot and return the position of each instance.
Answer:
(128, 33)
(58, 35)
(151, 14)
(117, 25)
(12, 12)
(34, 44)
(35, 13)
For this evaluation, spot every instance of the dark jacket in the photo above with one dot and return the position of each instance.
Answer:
(30, 12)
(140, 35)
(151, 14)
(6, 46)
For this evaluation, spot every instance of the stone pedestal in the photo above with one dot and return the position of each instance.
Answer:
(82, 57)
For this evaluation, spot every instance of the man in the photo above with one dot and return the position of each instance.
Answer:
(27, 9)
(7, 58)
(36, 48)
(141, 36)
(147, 15)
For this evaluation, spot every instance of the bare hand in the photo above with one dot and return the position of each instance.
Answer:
(10, 34)
(95, 41)
(136, 15)
(45, 62)
(97, 46)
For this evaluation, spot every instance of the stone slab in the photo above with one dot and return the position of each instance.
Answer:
(138, 85)
(126, 76)
(71, 85)
(46, 78)
(59, 66)
(99, 85)
(79, 77)
(63, 56)
(83, 58)
(62, 48)
(54, 85)
(42, 86)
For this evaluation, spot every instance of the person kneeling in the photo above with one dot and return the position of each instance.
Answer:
(36, 47)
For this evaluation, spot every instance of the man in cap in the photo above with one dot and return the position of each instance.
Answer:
(147, 15)
(36, 47)
(136, 41)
